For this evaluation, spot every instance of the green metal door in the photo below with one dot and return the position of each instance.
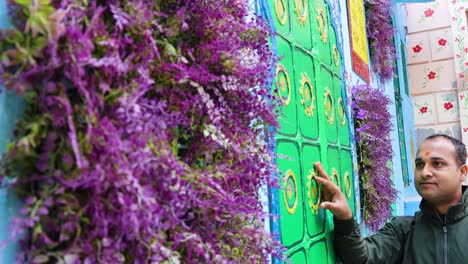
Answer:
(314, 126)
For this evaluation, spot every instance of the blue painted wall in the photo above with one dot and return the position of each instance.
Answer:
(408, 199)
(408, 195)
(10, 110)
(352, 79)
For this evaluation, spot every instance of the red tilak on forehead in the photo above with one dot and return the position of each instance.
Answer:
(427, 153)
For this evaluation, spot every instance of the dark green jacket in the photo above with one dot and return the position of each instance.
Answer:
(422, 238)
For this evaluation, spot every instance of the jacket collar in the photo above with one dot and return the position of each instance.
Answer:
(454, 213)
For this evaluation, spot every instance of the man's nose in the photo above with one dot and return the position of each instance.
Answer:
(426, 171)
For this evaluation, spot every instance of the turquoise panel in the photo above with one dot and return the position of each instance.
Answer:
(11, 109)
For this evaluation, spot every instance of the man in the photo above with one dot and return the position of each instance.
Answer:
(436, 234)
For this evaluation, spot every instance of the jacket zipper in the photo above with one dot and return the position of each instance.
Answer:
(444, 228)
(445, 244)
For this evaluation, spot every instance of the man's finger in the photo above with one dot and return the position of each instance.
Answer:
(321, 171)
(329, 185)
(327, 205)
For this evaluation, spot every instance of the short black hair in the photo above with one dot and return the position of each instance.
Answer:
(460, 147)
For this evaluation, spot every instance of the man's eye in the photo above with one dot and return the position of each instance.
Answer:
(437, 164)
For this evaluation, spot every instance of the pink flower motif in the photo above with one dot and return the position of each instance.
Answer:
(417, 49)
(423, 109)
(429, 12)
(466, 50)
(458, 55)
(462, 96)
(448, 105)
(454, 1)
(463, 28)
(431, 75)
(442, 42)
(461, 75)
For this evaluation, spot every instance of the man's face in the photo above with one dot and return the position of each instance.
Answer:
(437, 176)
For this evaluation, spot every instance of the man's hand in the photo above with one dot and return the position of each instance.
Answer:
(334, 200)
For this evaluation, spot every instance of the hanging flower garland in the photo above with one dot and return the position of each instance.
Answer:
(372, 129)
(381, 33)
(141, 140)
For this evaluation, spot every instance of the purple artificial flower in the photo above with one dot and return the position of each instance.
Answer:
(139, 131)
(381, 34)
(374, 153)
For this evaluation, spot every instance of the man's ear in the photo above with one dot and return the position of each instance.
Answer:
(463, 172)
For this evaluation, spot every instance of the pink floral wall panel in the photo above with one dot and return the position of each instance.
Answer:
(459, 23)
(418, 48)
(441, 44)
(459, 27)
(439, 80)
(424, 110)
(426, 16)
(447, 107)
(432, 77)
(417, 79)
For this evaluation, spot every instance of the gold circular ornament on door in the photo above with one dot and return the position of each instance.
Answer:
(341, 112)
(307, 95)
(336, 55)
(335, 177)
(290, 196)
(322, 24)
(283, 84)
(301, 11)
(281, 11)
(347, 185)
(329, 106)
(314, 192)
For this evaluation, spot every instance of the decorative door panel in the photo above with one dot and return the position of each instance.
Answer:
(315, 218)
(314, 127)
(347, 186)
(315, 250)
(306, 94)
(341, 117)
(327, 99)
(320, 31)
(334, 165)
(336, 58)
(300, 22)
(285, 85)
(299, 257)
(291, 202)
(281, 16)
